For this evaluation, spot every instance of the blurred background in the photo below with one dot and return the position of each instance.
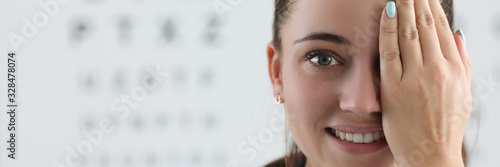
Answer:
(146, 83)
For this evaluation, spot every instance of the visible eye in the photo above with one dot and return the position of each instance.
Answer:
(322, 58)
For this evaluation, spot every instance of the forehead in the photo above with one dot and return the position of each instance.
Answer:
(349, 18)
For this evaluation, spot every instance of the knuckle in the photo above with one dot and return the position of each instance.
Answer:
(389, 30)
(468, 65)
(426, 20)
(410, 33)
(390, 54)
(441, 21)
(464, 68)
(459, 67)
(440, 76)
(407, 4)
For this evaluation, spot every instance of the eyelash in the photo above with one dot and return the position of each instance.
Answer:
(314, 53)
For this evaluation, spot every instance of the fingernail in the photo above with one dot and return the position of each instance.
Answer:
(462, 35)
(391, 9)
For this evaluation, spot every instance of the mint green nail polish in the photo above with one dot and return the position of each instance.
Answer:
(462, 35)
(391, 9)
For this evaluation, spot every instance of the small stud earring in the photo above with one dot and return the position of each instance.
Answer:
(277, 100)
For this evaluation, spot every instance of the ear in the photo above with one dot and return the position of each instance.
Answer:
(274, 65)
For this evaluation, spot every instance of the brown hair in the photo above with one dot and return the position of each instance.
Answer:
(282, 11)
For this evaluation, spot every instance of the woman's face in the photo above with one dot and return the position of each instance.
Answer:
(330, 81)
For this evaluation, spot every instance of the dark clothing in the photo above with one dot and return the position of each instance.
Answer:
(302, 162)
(281, 162)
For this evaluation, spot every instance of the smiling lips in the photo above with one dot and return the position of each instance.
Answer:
(357, 137)
(357, 140)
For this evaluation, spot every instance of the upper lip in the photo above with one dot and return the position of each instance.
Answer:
(357, 128)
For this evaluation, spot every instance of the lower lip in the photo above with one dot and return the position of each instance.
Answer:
(355, 148)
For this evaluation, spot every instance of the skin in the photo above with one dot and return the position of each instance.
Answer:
(409, 75)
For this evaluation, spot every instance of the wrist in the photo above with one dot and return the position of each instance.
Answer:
(446, 161)
(416, 160)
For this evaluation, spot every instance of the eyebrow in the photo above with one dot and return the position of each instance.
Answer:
(334, 38)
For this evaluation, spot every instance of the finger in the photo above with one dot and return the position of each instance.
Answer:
(409, 44)
(429, 42)
(390, 61)
(445, 35)
(464, 55)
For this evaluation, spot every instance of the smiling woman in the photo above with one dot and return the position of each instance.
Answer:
(396, 97)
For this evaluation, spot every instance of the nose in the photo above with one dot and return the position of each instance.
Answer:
(361, 92)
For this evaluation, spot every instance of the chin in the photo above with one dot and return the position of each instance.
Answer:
(383, 158)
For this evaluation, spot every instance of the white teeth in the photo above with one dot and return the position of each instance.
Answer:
(368, 138)
(376, 135)
(342, 135)
(348, 136)
(358, 138)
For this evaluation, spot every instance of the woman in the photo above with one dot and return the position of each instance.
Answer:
(370, 82)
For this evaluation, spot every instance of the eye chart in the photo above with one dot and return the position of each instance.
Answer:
(139, 83)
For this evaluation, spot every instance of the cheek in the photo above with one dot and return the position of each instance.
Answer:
(308, 99)
(310, 103)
